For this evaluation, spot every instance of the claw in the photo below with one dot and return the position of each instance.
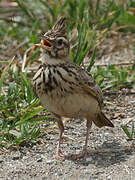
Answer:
(59, 155)
(83, 154)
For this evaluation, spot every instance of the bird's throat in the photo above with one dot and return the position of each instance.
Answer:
(47, 59)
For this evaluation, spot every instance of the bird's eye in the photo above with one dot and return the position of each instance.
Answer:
(60, 42)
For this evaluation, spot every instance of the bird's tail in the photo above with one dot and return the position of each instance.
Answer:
(102, 120)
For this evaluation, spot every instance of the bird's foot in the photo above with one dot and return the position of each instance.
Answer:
(59, 155)
(83, 154)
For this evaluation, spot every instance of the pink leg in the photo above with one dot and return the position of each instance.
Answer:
(61, 127)
(85, 149)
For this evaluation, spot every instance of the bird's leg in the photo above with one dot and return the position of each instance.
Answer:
(88, 125)
(85, 149)
(61, 127)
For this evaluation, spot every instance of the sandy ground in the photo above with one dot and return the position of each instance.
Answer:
(111, 156)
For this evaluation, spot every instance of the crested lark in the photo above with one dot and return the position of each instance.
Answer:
(64, 88)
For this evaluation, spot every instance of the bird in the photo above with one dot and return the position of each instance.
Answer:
(66, 89)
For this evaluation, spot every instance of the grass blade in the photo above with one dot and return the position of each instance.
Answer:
(92, 60)
(3, 75)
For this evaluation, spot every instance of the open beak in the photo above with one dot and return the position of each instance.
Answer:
(45, 43)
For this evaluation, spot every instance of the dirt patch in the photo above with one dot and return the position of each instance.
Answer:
(115, 48)
(111, 156)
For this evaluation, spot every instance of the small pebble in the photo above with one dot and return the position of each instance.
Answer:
(1, 159)
(88, 159)
(25, 157)
(16, 155)
(49, 161)
(39, 160)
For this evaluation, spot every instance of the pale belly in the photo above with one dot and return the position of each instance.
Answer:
(72, 105)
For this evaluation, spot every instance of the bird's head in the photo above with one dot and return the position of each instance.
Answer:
(54, 42)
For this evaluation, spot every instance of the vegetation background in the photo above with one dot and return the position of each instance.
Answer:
(93, 27)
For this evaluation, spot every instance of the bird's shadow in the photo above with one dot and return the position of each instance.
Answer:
(106, 155)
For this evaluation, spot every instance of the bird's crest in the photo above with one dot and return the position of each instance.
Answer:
(59, 29)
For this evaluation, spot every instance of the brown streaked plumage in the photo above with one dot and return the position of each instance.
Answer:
(65, 89)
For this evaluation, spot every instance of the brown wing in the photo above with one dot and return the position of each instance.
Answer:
(89, 85)
(83, 81)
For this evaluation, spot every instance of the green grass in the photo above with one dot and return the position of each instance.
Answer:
(129, 131)
(19, 109)
(113, 79)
